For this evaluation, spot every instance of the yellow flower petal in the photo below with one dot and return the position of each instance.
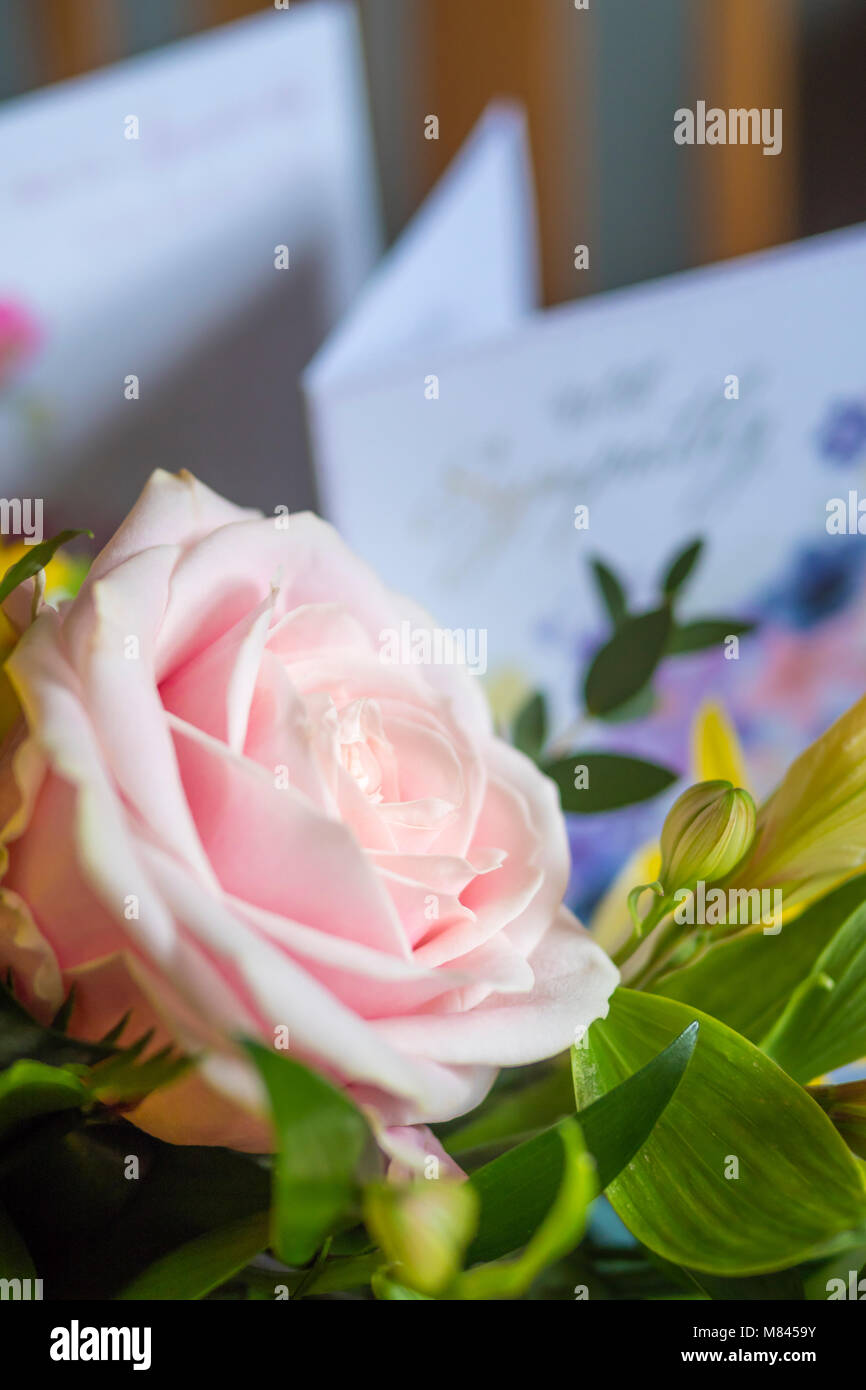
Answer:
(812, 830)
(716, 751)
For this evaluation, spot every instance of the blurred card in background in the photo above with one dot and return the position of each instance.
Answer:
(142, 211)
(464, 269)
(721, 403)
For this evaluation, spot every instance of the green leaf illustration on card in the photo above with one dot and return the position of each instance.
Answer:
(590, 782)
(681, 567)
(624, 665)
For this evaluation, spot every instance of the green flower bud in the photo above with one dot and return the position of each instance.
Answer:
(424, 1229)
(707, 831)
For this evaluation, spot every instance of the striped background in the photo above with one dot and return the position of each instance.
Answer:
(600, 86)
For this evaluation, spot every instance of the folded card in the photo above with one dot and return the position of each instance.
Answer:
(180, 230)
(480, 455)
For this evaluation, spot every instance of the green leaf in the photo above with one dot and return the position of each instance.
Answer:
(15, 1261)
(36, 559)
(845, 1265)
(322, 1139)
(681, 568)
(613, 780)
(203, 1264)
(785, 1286)
(620, 1121)
(22, 1037)
(746, 980)
(29, 1090)
(640, 706)
(60, 1021)
(518, 1188)
(113, 1034)
(797, 1187)
(560, 1230)
(93, 1227)
(626, 663)
(516, 1191)
(336, 1276)
(611, 590)
(705, 632)
(530, 726)
(824, 1023)
(124, 1078)
(781, 1286)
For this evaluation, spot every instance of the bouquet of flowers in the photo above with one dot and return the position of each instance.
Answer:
(291, 1004)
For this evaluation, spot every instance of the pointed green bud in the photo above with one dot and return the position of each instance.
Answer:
(424, 1229)
(707, 831)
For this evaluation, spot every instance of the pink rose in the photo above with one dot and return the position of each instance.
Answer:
(230, 815)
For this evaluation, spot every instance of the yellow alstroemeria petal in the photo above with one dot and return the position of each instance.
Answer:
(812, 830)
(716, 750)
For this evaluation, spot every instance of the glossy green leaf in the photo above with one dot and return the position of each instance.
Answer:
(322, 1139)
(559, 1232)
(530, 726)
(824, 1023)
(747, 980)
(624, 664)
(611, 590)
(518, 1188)
(705, 632)
(203, 1264)
(29, 1090)
(612, 781)
(617, 1123)
(36, 559)
(797, 1185)
(516, 1191)
(681, 568)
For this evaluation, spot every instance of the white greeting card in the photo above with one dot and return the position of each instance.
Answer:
(694, 405)
(142, 208)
